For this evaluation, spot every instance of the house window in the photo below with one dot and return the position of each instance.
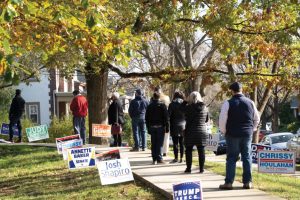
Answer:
(33, 112)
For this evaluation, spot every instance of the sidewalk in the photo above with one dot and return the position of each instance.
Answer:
(162, 177)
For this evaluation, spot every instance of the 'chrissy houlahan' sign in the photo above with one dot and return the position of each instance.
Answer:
(115, 171)
(280, 162)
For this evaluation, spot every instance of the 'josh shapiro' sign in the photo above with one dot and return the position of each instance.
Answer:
(187, 190)
(81, 157)
(115, 171)
(279, 162)
(212, 142)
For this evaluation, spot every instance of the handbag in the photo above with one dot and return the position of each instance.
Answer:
(116, 128)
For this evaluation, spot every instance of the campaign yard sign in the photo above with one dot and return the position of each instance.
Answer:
(276, 162)
(114, 171)
(69, 145)
(37, 133)
(60, 141)
(81, 157)
(187, 190)
(101, 130)
(258, 147)
(212, 142)
(108, 155)
(5, 130)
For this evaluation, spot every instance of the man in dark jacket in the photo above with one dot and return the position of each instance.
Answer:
(15, 113)
(238, 119)
(137, 111)
(157, 121)
(116, 116)
(79, 108)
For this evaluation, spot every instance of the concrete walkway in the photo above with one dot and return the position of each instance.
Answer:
(162, 177)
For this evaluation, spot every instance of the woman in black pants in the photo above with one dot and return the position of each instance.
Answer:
(116, 116)
(177, 125)
(196, 116)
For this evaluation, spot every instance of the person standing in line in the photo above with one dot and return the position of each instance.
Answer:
(166, 100)
(137, 111)
(157, 121)
(177, 125)
(79, 108)
(238, 119)
(196, 116)
(16, 111)
(116, 116)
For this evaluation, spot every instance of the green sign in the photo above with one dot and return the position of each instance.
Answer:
(37, 133)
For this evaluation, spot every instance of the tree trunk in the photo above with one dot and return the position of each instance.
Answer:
(96, 83)
(275, 124)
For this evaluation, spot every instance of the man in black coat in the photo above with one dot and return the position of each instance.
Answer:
(157, 121)
(15, 113)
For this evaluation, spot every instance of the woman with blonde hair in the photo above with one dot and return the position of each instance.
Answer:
(196, 115)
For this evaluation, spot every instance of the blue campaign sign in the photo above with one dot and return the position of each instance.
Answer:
(187, 190)
(5, 129)
(258, 147)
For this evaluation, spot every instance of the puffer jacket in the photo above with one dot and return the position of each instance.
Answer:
(177, 118)
(196, 116)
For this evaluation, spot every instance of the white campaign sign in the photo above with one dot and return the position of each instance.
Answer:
(277, 162)
(114, 171)
(70, 144)
(212, 142)
(81, 157)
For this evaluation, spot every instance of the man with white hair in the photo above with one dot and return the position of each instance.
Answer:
(116, 116)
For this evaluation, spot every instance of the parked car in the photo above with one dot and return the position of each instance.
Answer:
(277, 141)
(221, 146)
(294, 145)
(263, 133)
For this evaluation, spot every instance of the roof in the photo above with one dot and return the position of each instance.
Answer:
(278, 134)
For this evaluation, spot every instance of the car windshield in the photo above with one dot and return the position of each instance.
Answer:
(281, 138)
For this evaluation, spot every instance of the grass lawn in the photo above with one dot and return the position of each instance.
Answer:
(278, 185)
(40, 173)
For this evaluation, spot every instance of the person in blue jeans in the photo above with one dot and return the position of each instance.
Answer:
(157, 121)
(137, 111)
(238, 119)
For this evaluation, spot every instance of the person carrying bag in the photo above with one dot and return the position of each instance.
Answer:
(116, 119)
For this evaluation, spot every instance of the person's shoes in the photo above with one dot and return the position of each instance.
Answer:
(154, 163)
(164, 154)
(19, 141)
(226, 186)
(187, 171)
(143, 149)
(201, 171)
(174, 161)
(248, 185)
(134, 150)
(161, 162)
(180, 161)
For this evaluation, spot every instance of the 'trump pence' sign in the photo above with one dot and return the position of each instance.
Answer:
(114, 171)
(187, 190)
(37, 133)
(258, 147)
(81, 157)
